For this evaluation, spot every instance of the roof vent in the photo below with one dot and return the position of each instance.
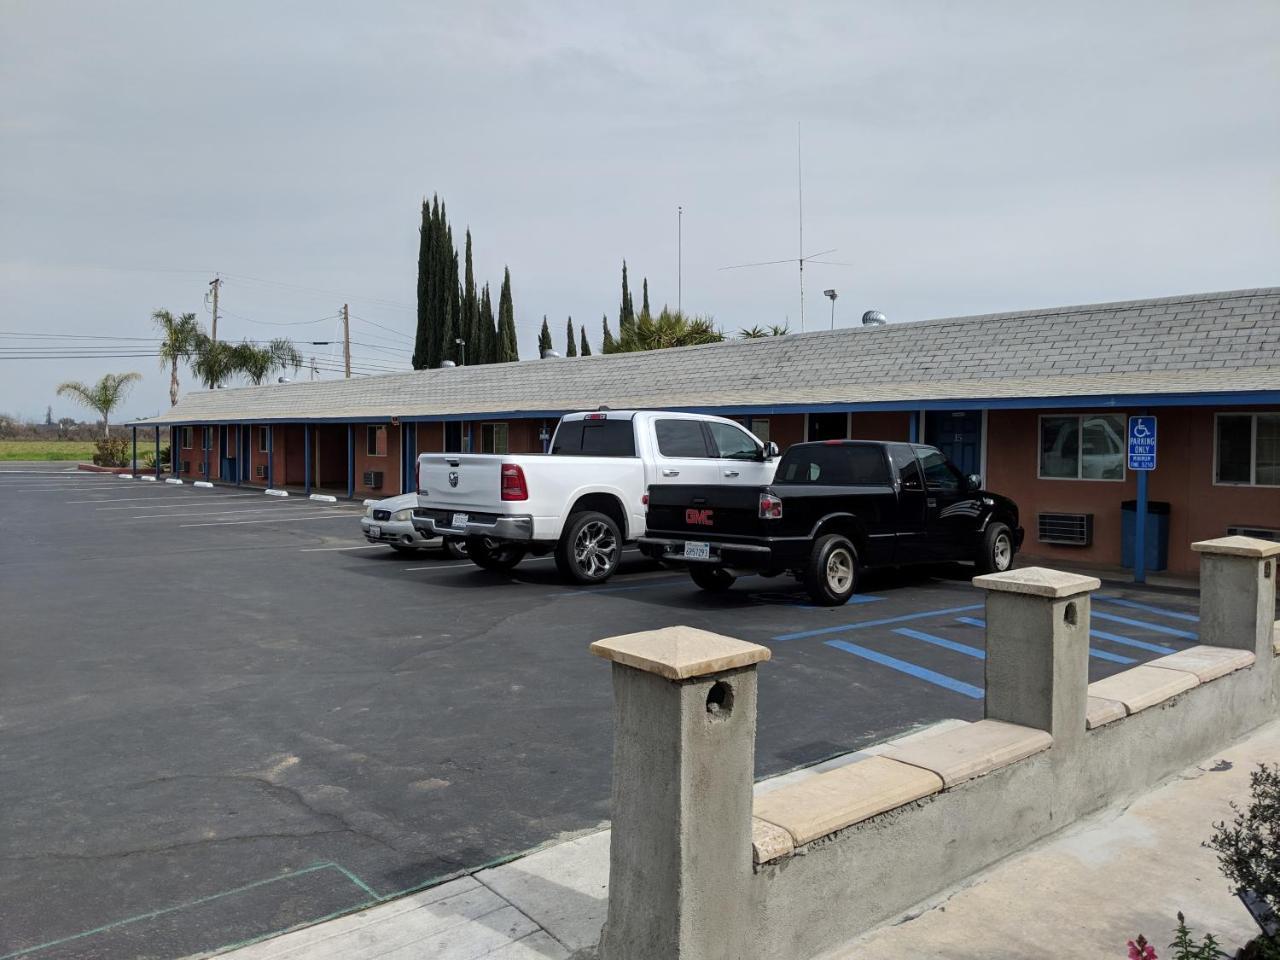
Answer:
(283, 380)
(447, 363)
(874, 318)
(550, 355)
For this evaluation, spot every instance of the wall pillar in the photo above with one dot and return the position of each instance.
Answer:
(684, 719)
(135, 451)
(351, 461)
(1037, 666)
(207, 449)
(1238, 593)
(306, 458)
(270, 453)
(159, 465)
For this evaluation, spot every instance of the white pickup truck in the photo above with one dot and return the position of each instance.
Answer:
(585, 498)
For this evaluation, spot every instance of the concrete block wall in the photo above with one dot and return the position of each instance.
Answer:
(695, 873)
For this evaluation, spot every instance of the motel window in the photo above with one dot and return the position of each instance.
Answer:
(376, 441)
(1247, 449)
(186, 438)
(1086, 446)
(493, 438)
(262, 440)
(828, 426)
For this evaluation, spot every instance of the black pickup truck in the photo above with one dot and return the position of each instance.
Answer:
(834, 508)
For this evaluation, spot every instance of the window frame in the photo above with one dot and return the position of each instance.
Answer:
(491, 428)
(758, 450)
(1080, 418)
(186, 439)
(371, 432)
(264, 440)
(1253, 416)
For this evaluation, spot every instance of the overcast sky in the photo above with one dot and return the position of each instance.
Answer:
(965, 158)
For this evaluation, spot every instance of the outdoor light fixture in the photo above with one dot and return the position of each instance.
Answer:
(831, 295)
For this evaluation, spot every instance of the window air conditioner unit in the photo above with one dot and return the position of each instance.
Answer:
(1065, 529)
(260, 471)
(373, 479)
(1256, 532)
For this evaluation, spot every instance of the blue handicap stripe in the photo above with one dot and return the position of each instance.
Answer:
(893, 663)
(1093, 651)
(844, 628)
(1134, 605)
(943, 642)
(1130, 642)
(1154, 627)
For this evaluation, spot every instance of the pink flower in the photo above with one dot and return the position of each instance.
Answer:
(1141, 950)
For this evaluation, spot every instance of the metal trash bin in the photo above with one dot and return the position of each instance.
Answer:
(1157, 557)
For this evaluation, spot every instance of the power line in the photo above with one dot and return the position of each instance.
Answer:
(398, 333)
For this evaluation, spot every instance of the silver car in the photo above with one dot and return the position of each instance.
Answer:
(390, 522)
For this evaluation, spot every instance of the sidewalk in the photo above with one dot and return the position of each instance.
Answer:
(1081, 894)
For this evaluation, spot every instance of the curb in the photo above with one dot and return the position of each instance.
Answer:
(125, 476)
(276, 493)
(174, 480)
(324, 498)
(148, 476)
(204, 484)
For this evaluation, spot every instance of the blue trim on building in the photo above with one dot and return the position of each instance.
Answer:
(1084, 402)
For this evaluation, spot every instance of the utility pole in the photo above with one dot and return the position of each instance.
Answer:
(215, 283)
(800, 198)
(346, 341)
(313, 368)
(679, 259)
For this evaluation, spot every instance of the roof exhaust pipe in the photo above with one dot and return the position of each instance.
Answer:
(874, 318)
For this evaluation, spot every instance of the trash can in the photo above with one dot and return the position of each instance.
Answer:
(1157, 557)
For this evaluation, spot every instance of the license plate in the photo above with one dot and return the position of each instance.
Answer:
(697, 551)
(375, 531)
(460, 520)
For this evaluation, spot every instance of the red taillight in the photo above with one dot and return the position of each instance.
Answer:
(770, 507)
(644, 500)
(513, 485)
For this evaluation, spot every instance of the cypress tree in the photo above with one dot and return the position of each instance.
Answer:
(544, 338)
(571, 347)
(644, 308)
(608, 344)
(586, 347)
(470, 325)
(508, 348)
(486, 326)
(626, 312)
(426, 235)
(435, 291)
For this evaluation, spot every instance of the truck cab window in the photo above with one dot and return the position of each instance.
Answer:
(732, 443)
(843, 465)
(681, 438)
(938, 473)
(906, 467)
(595, 438)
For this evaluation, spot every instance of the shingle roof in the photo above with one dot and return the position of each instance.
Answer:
(1211, 342)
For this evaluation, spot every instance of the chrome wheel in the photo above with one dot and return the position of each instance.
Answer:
(595, 549)
(839, 570)
(1002, 553)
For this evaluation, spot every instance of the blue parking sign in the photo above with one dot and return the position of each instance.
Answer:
(1142, 443)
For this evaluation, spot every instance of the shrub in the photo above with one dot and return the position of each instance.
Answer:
(113, 452)
(1249, 848)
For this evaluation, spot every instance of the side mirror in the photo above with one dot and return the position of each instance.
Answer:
(975, 481)
(770, 451)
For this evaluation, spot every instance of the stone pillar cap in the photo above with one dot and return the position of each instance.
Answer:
(680, 653)
(1238, 547)
(1038, 582)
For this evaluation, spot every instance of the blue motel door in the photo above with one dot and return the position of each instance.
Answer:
(958, 434)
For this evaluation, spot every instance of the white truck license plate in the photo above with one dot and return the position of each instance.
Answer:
(375, 531)
(697, 551)
(460, 520)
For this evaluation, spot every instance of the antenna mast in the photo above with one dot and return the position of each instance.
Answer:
(800, 196)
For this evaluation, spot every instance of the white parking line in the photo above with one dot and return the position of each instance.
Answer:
(231, 523)
(468, 563)
(256, 508)
(185, 501)
(364, 546)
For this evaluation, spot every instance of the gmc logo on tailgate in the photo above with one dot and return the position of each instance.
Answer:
(697, 518)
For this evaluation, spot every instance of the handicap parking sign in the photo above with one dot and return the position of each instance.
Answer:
(1142, 443)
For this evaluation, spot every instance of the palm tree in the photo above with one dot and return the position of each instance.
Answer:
(178, 342)
(213, 361)
(258, 363)
(753, 333)
(671, 328)
(103, 396)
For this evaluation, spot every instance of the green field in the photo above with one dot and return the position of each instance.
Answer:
(46, 450)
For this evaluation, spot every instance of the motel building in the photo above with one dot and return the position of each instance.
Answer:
(1036, 402)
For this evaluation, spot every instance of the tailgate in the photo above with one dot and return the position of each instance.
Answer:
(463, 481)
(708, 511)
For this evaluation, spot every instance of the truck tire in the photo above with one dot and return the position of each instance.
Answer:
(589, 549)
(489, 555)
(831, 575)
(712, 579)
(455, 548)
(995, 554)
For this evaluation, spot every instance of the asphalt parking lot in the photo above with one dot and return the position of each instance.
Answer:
(225, 714)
